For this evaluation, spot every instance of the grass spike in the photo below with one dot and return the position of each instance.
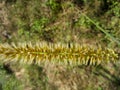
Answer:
(56, 53)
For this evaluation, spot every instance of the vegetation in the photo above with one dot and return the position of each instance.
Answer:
(94, 23)
(51, 53)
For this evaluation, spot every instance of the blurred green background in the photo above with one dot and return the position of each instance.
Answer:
(91, 22)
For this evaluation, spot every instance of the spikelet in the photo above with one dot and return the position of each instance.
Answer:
(56, 53)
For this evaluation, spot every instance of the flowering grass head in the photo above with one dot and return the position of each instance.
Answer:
(42, 52)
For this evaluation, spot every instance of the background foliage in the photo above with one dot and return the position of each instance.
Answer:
(60, 21)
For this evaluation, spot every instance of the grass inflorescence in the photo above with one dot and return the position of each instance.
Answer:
(73, 54)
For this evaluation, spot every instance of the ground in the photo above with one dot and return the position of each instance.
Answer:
(95, 23)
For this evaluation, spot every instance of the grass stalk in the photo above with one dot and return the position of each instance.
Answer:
(101, 29)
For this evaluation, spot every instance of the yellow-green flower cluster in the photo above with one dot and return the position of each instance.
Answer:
(56, 53)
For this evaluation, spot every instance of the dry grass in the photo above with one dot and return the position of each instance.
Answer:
(60, 21)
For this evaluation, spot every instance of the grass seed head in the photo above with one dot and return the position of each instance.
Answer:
(56, 53)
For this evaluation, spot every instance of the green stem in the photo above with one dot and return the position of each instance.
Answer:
(101, 29)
